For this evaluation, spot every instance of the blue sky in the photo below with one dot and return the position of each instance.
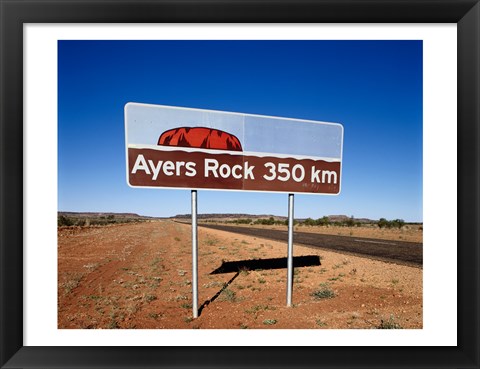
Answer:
(373, 88)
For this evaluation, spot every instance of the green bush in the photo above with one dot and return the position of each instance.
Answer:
(228, 295)
(350, 222)
(396, 223)
(64, 221)
(324, 221)
(269, 221)
(324, 292)
(309, 222)
(80, 222)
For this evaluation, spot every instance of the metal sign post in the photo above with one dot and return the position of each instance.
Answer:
(290, 251)
(194, 255)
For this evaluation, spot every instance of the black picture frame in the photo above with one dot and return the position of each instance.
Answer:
(465, 13)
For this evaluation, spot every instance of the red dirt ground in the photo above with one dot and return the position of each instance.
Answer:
(139, 276)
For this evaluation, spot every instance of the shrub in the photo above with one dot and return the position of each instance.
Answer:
(242, 221)
(309, 222)
(64, 221)
(150, 298)
(324, 292)
(382, 223)
(269, 221)
(324, 221)
(270, 321)
(350, 222)
(389, 324)
(228, 295)
(396, 223)
(80, 222)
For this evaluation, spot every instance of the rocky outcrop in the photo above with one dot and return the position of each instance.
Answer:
(200, 137)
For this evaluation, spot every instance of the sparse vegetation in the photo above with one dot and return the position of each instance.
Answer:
(71, 281)
(228, 295)
(150, 298)
(325, 221)
(116, 273)
(324, 292)
(255, 309)
(91, 266)
(270, 321)
(396, 223)
(211, 241)
(389, 324)
(241, 221)
(213, 284)
(66, 219)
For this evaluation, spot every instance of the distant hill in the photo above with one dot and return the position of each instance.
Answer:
(226, 216)
(111, 217)
(209, 216)
(71, 218)
(343, 218)
(99, 214)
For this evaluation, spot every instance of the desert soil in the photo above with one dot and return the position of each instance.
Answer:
(139, 276)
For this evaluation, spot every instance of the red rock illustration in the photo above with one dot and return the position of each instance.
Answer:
(200, 137)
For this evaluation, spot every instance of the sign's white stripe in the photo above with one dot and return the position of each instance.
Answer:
(240, 153)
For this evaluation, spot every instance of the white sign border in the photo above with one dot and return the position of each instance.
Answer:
(40, 210)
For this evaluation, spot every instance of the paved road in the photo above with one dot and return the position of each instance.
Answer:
(399, 252)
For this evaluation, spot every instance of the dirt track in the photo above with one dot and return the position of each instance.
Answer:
(399, 252)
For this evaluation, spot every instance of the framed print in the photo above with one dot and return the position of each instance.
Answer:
(114, 113)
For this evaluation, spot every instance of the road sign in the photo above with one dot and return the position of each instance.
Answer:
(174, 147)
